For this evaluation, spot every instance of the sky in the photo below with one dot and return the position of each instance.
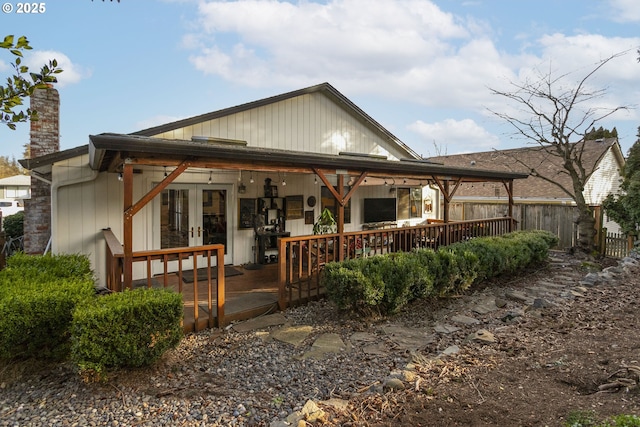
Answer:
(423, 69)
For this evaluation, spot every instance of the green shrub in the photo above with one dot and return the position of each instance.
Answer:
(30, 268)
(36, 305)
(398, 277)
(350, 288)
(126, 329)
(13, 225)
(588, 419)
(388, 282)
(427, 270)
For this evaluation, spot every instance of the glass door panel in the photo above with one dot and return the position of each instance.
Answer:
(174, 218)
(193, 215)
(214, 217)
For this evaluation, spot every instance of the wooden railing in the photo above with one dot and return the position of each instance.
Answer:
(115, 259)
(302, 258)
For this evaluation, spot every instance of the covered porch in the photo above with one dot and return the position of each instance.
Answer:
(294, 277)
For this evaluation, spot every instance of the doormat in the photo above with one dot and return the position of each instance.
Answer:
(187, 275)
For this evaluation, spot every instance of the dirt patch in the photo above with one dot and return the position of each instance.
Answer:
(579, 356)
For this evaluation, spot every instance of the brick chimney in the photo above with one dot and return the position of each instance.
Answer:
(44, 139)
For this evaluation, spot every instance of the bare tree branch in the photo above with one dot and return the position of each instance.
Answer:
(552, 115)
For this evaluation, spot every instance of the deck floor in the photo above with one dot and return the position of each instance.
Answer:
(249, 294)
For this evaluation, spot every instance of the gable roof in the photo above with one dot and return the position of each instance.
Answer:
(514, 160)
(323, 88)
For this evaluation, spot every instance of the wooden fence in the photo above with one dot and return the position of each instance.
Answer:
(558, 219)
(617, 245)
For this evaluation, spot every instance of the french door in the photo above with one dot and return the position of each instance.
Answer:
(194, 215)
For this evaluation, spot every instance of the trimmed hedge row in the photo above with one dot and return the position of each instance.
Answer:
(385, 283)
(38, 295)
(126, 329)
(48, 309)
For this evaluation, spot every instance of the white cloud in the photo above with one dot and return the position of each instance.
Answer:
(342, 41)
(72, 73)
(466, 135)
(407, 50)
(625, 10)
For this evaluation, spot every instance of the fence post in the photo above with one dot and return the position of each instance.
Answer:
(629, 243)
(602, 246)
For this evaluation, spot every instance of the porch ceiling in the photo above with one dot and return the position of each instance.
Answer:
(109, 151)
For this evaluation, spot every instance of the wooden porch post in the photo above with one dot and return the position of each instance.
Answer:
(445, 215)
(340, 218)
(128, 225)
(510, 192)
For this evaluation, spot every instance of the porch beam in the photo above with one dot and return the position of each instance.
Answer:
(354, 187)
(443, 185)
(326, 182)
(158, 189)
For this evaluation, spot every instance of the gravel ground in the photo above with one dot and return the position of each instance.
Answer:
(229, 378)
(214, 378)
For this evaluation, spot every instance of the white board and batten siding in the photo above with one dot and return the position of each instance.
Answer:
(605, 180)
(86, 202)
(307, 123)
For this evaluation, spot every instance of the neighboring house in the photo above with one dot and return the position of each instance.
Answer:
(537, 200)
(15, 187)
(216, 177)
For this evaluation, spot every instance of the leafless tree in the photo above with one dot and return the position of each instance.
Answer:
(556, 118)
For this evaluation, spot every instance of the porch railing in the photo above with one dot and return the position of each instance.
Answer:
(302, 258)
(114, 273)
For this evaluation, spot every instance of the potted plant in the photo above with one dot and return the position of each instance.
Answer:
(325, 224)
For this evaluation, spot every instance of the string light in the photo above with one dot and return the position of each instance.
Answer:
(251, 181)
(165, 172)
(210, 178)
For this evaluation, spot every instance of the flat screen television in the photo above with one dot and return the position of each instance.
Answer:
(380, 210)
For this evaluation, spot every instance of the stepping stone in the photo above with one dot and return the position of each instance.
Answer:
(363, 337)
(465, 320)
(324, 344)
(513, 314)
(485, 307)
(550, 285)
(590, 280)
(482, 336)
(293, 335)
(379, 349)
(518, 296)
(276, 319)
(407, 338)
(445, 329)
(452, 349)
(541, 303)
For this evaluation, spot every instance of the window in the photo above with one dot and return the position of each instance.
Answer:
(409, 202)
(328, 201)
